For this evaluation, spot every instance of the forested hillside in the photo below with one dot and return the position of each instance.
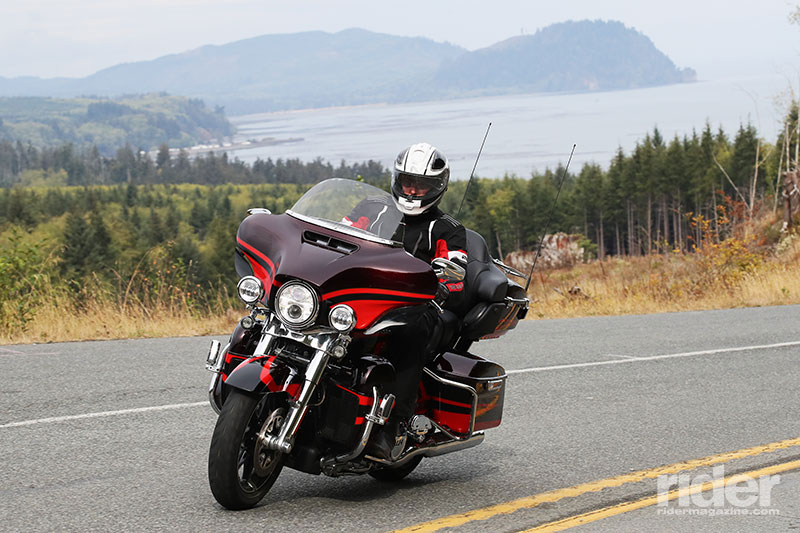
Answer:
(146, 233)
(144, 122)
(570, 56)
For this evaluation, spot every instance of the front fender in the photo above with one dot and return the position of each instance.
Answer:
(266, 374)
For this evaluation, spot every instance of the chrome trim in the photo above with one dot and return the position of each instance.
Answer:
(259, 211)
(471, 390)
(285, 441)
(508, 270)
(433, 450)
(211, 399)
(341, 228)
(380, 326)
(329, 465)
(214, 349)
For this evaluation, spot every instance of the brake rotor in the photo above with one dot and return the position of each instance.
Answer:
(263, 457)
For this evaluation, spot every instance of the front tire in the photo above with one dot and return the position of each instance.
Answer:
(241, 470)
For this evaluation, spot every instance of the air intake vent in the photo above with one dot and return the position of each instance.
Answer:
(331, 243)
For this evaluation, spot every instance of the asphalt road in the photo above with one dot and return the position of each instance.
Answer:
(587, 400)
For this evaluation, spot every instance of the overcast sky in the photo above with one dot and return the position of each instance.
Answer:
(49, 38)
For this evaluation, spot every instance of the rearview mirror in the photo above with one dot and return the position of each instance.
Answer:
(447, 270)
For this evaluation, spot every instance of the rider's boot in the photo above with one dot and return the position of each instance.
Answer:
(389, 441)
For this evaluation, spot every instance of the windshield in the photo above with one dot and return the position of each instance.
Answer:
(351, 207)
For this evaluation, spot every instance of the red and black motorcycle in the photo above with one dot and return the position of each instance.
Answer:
(302, 381)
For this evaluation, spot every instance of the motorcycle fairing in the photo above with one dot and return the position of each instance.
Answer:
(369, 303)
(371, 277)
(266, 374)
(262, 266)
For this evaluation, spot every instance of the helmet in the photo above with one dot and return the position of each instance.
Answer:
(419, 178)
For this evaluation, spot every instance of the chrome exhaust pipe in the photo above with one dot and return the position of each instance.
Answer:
(433, 450)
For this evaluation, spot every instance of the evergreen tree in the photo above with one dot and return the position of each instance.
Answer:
(77, 246)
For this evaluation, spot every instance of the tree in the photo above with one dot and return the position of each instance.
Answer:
(101, 254)
(77, 246)
(163, 158)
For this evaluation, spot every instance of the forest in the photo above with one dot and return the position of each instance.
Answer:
(103, 124)
(138, 228)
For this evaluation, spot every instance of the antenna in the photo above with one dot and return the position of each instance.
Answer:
(549, 219)
(473, 170)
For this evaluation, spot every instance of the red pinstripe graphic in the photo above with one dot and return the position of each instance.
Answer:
(370, 291)
(229, 357)
(260, 272)
(362, 400)
(451, 402)
(259, 254)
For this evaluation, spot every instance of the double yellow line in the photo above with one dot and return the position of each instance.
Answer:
(634, 477)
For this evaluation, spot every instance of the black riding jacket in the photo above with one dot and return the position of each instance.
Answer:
(427, 236)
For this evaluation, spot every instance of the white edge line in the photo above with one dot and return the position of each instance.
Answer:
(55, 419)
(653, 357)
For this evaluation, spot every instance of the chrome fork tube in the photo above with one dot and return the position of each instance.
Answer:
(297, 410)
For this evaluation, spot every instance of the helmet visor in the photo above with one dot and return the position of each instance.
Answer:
(414, 185)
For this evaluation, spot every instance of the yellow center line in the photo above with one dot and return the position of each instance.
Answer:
(614, 510)
(593, 486)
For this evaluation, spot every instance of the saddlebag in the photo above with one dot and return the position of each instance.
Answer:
(458, 385)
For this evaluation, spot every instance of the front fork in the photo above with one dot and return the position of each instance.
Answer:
(325, 345)
(297, 409)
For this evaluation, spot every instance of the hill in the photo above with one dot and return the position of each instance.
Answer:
(144, 121)
(570, 56)
(318, 69)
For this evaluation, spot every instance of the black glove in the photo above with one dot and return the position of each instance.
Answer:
(442, 293)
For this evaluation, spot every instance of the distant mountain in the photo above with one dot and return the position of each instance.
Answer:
(318, 69)
(569, 56)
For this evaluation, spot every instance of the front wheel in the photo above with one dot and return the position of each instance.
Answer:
(241, 469)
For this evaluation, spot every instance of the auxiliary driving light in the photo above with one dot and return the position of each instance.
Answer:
(250, 289)
(342, 318)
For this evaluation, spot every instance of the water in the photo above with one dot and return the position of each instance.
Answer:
(529, 132)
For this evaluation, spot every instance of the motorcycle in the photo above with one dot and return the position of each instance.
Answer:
(302, 380)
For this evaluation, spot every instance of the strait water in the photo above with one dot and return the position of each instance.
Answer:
(529, 132)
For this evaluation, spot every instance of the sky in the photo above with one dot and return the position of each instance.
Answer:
(75, 38)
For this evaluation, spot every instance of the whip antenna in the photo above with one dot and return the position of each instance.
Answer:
(549, 219)
(473, 170)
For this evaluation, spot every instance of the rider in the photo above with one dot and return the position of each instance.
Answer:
(419, 180)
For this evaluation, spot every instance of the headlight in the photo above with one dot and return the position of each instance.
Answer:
(296, 304)
(342, 318)
(250, 289)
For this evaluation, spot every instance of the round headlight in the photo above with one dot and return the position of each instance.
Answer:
(250, 289)
(296, 304)
(342, 318)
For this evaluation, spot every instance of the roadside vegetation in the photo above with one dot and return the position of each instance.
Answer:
(138, 247)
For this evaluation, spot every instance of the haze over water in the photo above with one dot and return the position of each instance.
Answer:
(529, 132)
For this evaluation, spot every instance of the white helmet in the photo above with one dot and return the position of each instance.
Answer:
(419, 178)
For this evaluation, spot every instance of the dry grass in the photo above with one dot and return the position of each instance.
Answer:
(677, 282)
(719, 277)
(60, 321)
